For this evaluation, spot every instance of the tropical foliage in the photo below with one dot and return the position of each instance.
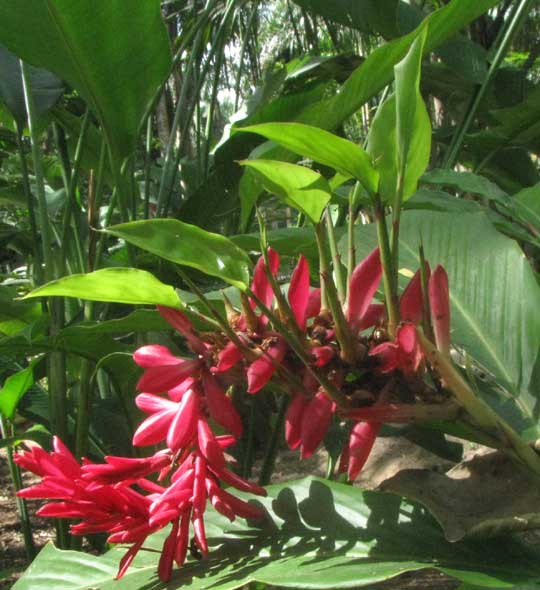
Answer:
(232, 227)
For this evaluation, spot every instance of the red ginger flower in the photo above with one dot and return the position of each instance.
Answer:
(102, 496)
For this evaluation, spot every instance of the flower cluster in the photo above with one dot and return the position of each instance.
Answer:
(293, 341)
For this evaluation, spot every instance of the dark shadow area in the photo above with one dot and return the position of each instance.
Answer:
(315, 529)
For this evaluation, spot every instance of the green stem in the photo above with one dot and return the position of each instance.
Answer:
(507, 35)
(269, 460)
(336, 259)
(22, 508)
(390, 291)
(147, 166)
(84, 398)
(44, 223)
(351, 247)
(343, 333)
(72, 176)
(38, 264)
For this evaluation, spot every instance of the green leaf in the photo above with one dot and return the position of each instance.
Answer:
(377, 70)
(494, 297)
(119, 285)
(318, 535)
(466, 182)
(368, 16)
(399, 140)
(37, 433)
(115, 54)
(46, 87)
(15, 386)
(412, 120)
(323, 147)
(188, 245)
(298, 186)
(527, 205)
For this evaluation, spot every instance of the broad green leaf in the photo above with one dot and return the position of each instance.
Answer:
(318, 535)
(46, 87)
(323, 147)
(118, 285)
(461, 54)
(466, 182)
(188, 245)
(298, 186)
(15, 386)
(116, 54)
(399, 140)
(368, 16)
(527, 205)
(494, 296)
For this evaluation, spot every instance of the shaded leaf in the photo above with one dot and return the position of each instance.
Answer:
(46, 87)
(493, 292)
(90, 46)
(188, 245)
(318, 535)
(16, 385)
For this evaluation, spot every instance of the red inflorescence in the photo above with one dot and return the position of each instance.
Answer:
(184, 396)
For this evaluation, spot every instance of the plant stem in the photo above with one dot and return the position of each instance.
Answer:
(56, 374)
(336, 259)
(15, 473)
(85, 396)
(269, 460)
(343, 333)
(390, 291)
(38, 261)
(44, 222)
(147, 166)
(508, 33)
(351, 247)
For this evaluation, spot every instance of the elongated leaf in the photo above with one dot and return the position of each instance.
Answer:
(368, 16)
(119, 285)
(46, 87)
(412, 120)
(527, 205)
(16, 386)
(323, 147)
(466, 182)
(318, 535)
(298, 186)
(36, 433)
(189, 245)
(494, 297)
(116, 54)
(399, 140)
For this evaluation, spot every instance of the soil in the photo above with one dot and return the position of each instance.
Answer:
(13, 560)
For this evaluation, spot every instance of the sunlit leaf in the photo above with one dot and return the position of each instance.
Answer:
(298, 186)
(119, 285)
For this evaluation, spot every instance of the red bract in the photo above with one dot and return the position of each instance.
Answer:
(364, 283)
(404, 353)
(120, 498)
